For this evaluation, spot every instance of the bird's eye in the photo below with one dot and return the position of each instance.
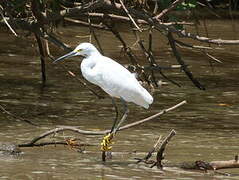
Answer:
(79, 50)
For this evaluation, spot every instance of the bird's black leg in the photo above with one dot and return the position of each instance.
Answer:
(126, 111)
(116, 114)
(107, 140)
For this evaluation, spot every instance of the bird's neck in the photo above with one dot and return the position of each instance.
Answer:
(93, 54)
(91, 59)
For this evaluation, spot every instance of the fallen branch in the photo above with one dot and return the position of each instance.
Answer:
(65, 143)
(213, 165)
(225, 164)
(85, 132)
(160, 152)
(149, 154)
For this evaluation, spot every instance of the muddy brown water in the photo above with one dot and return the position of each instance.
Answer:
(207, 127)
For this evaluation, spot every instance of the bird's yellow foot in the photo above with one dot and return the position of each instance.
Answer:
(107, 140)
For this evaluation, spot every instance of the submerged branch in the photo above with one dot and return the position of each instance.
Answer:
(16, 117)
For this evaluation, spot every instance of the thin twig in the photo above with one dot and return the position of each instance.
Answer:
(128, 14)
(212, 57)
(198, 48)
(95, 36)
(76, 21)
(16, 117)
(148, 55)
(153, 116)
(152, 61)
(8, 25)
(171, 7)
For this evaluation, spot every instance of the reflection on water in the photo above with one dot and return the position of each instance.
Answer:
(207, 127)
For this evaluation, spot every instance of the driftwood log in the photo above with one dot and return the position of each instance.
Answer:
(194, 165)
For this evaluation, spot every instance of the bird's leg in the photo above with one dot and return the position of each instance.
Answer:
(126, 111)
(107, 139)
(116, 114)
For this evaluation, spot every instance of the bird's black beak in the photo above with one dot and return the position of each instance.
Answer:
(70, 54)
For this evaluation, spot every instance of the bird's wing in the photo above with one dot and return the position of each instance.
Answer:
(115, 79)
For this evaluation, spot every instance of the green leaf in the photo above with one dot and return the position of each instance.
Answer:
(188, 4)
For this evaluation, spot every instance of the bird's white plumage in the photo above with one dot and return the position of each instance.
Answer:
(112, 77)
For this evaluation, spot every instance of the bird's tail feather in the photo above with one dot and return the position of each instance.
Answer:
(145, 99)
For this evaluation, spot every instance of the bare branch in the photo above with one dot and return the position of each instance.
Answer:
(85, 132)
(130, 17)
(165, 11)
(182, 63)
(152, 117)
(6, 22)
(16, 117)
(160, 152)
(150, 153)
(98, 26)
(42, 57)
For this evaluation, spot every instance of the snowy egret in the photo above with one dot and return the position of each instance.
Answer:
(111, 76)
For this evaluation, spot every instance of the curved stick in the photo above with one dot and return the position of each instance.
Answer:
(85, 132)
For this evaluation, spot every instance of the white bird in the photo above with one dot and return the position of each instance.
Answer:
(111, 76)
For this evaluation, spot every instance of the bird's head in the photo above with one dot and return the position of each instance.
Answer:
(83, 49)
